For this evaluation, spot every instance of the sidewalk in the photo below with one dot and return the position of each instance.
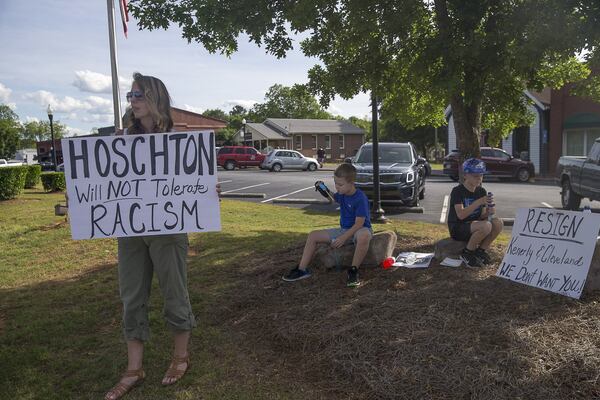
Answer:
(545, 180)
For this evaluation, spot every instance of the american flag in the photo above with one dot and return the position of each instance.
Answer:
(124, 15)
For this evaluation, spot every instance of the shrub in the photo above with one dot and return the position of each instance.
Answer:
(54, 181)
(33, 176)
(12, 181)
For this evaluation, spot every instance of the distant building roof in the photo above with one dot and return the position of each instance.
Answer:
(183, 120)
(543, 96)
(265, 131)
(298, 126)
(188, 120)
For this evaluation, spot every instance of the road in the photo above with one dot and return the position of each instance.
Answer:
(508, 196)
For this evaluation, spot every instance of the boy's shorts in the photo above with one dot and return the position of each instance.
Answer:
(334, 233)
(460, 232)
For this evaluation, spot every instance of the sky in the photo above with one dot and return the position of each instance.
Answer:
(57, 52)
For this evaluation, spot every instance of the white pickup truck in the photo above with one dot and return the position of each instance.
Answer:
(9, 163)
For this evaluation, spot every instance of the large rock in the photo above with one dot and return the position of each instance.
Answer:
(382, 245)
(448, 248)
(592, 282)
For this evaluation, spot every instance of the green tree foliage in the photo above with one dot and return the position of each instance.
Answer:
(216, 113)
(288, 102)
(422, 137)
(364, 124)
(418, 56)
(36, 131)
(236, 117)
(10, 127)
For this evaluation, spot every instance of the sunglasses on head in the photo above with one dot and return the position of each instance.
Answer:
(136, 94)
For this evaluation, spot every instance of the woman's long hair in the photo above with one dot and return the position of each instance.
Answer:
(158, 101)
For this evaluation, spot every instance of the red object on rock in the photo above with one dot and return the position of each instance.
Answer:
(387, 263)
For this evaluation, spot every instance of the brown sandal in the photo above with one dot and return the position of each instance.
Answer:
(173, 372)
(121, 389)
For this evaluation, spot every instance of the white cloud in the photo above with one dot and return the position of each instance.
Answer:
(95, 82)
(247, 104)
(96, 118)
(31, 119)
(5, 94)
(90, 110)
(334, 110)
(67, 104)
(198, 110)
(12, 106)
(71, 131)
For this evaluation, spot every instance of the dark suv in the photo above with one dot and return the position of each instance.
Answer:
(230, 157)
(498, 162)
(401, 172)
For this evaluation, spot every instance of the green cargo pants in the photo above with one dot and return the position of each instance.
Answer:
(139, 258)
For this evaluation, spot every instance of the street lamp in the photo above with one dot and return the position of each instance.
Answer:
(377, 214)
(52, 148)
(244, 129)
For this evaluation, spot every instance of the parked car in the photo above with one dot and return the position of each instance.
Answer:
(401, 172)
(277, 160)
(498, 162)
(579, 177)
(10, 163)
(230, 157)
(47, 165)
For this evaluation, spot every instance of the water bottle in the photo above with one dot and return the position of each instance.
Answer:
(490, 204)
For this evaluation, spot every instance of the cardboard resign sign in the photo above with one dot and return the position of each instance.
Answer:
(136, 185)
(551, 249)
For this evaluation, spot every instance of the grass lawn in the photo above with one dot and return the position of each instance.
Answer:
(437, 333)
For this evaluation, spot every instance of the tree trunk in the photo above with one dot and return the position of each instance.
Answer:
(467, 127)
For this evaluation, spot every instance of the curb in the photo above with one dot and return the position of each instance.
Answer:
(302, 201)
(508, 221)
(241, 195)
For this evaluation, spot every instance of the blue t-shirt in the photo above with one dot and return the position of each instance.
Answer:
(351, 207)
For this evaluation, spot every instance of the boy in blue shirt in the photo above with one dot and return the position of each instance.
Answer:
(355, 225)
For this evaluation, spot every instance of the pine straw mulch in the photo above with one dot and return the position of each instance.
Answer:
(436, 333)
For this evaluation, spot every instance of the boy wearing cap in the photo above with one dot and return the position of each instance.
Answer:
(471, 217)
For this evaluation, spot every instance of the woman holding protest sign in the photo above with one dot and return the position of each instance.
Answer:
(142, 256)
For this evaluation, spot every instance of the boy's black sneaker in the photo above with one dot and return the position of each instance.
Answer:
(483, 256)
(296, 274)
(353, 280)
(470, 258)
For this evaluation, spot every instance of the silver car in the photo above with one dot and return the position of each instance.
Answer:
(277, 160)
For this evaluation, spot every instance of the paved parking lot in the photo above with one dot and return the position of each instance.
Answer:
(509, 196)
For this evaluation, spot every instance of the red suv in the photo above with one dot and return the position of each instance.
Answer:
(498, 163)
(230, 157)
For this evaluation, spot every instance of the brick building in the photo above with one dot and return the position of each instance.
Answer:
(339, 138)
(574, 125)
(182, 120)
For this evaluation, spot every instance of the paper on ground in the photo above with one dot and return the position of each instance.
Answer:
(413, 260)
(451, 262)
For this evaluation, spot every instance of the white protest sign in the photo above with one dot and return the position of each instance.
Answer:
(551, 249)
(136, 185)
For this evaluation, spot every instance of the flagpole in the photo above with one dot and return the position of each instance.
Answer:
(113, 64)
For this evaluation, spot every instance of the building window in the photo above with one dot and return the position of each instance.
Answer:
(578, 142)
(328, 141)
(298, 139)
(341, 141)
(314, 142)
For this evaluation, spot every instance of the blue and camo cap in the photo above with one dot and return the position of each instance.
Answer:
(474, 166)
